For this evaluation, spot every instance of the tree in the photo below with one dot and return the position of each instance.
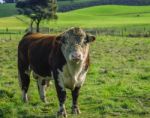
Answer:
(10, 1)
(37, 10)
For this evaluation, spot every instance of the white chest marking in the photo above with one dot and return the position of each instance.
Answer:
(73, 74)
(71, 80)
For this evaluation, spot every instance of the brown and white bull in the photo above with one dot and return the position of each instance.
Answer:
(65, 58)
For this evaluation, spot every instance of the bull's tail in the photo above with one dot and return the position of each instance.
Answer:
(23, 73)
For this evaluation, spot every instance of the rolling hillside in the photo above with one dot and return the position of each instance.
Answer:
(9, 9)
(67, 5)
(110, 10)
(93, 17)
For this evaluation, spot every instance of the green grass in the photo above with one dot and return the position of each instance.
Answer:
(112, 16)
(9, 9)
(105, 16)
(117, 83)
(111, 10)
(118, 80)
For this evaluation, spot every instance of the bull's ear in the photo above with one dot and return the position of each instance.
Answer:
(90, 38)
(60, 38)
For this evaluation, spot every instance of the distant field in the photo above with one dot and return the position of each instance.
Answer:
(105, 16)
(93, 17)
(7, 10)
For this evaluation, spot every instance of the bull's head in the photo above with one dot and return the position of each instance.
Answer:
(75, 44)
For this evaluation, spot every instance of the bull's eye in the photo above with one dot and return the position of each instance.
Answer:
(85, 41)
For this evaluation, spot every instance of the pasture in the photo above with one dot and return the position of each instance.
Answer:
(117, 84)
(9, 9)
(118, 80)
(107, 16)
(108, 20)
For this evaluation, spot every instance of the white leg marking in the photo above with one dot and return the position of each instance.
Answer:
(60, 80)
(62, 111)
(28, 72)
(48, 83)
(42, 90)
(24, 96)
(61, 107)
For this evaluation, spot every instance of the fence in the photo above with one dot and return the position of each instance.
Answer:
(123, 32)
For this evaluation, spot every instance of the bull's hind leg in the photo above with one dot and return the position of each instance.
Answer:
(24, 80)
(42, 85)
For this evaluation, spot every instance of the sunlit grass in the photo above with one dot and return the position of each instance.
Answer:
(118, 80)
(117, 83)
(93, 17)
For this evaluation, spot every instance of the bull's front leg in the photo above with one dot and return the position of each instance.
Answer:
(61, 93)
(75, 95)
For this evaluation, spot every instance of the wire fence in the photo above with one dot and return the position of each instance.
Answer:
(8, 33)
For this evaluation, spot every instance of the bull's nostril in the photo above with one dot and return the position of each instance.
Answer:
(76, 56)
(79, 56)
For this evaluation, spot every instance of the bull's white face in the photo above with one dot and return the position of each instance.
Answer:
(75, 44)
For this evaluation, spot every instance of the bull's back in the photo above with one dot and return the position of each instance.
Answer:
(34, 50)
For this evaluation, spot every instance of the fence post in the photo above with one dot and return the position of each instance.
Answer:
(122, 32)
(10, 37)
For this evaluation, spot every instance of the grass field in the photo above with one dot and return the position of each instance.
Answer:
(9, 9)
(95, 17)
(117, 84)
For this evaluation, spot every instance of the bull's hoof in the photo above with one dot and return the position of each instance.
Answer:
(44, 99)
(61, 114)
(75, 110)
(25, 99)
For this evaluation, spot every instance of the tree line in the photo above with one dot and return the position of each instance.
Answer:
(14, 1)
(64, 8)
(126, 2)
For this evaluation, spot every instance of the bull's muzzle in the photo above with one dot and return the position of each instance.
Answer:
(76, 57)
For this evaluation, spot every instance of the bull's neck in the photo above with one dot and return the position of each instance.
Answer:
(74, 68)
